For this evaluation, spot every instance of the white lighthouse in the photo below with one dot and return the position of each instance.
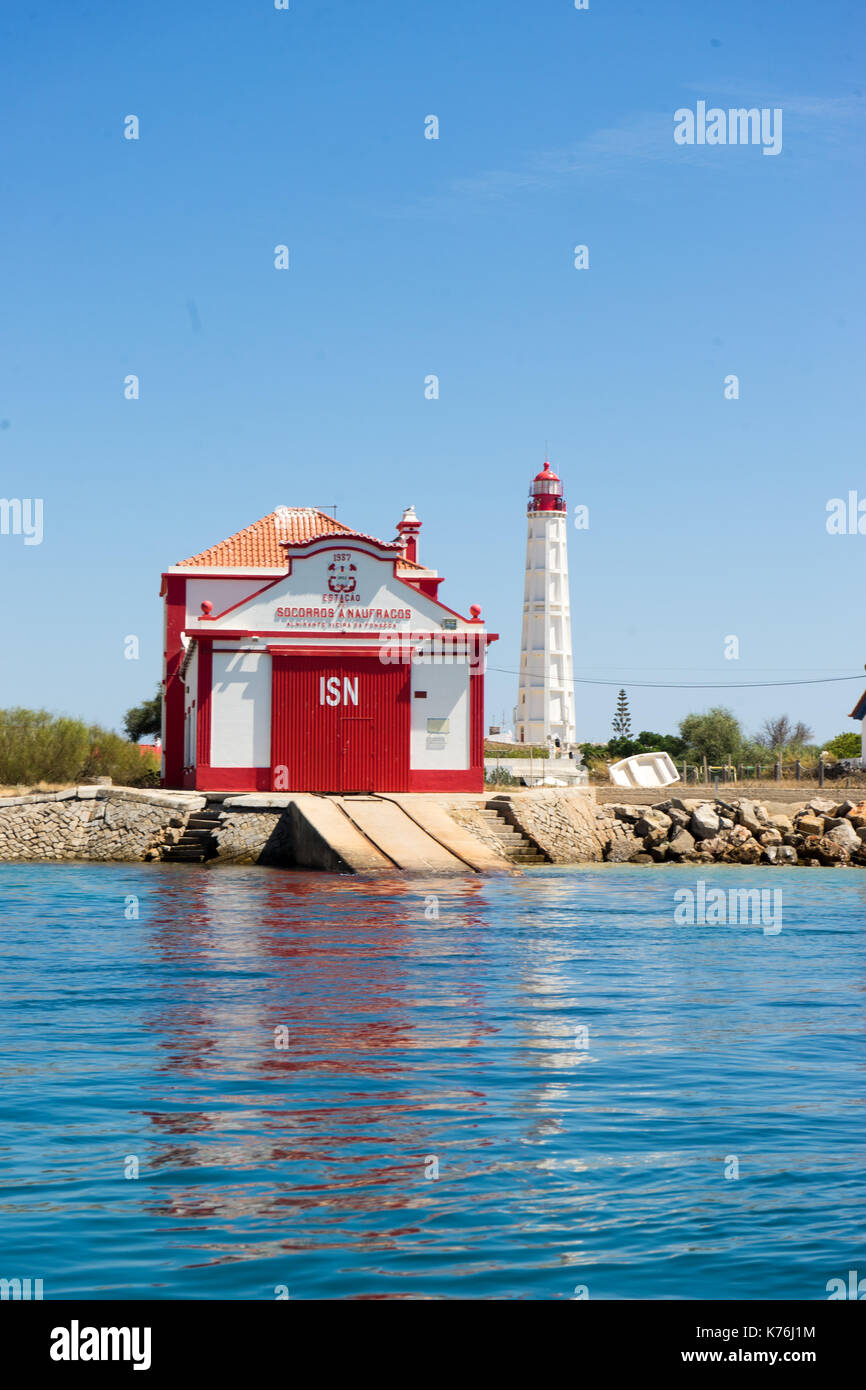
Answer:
(545, 699)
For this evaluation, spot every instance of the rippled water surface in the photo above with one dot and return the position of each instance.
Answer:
(416, 1040)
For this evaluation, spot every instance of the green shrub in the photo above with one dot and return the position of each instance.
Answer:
(844, 746)
(501, 777)
(36, 746)
(516, 750)
(122, 761)
(593, 753)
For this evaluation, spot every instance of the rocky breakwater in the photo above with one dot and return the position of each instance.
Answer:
(104, 823)
(732, 831)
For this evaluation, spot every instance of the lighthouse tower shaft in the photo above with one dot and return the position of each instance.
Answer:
(545, 698)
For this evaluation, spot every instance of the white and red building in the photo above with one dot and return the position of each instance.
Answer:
(301, 655)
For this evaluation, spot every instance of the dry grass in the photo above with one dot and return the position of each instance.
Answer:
(37, 787)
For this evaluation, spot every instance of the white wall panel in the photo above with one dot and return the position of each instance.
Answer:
(241, 710)
(222, 593)
(447, 688)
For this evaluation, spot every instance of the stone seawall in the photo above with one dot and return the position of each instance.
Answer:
(126, 824)
(104, 823)
(566, 825)
(280, 829)
(254, 837)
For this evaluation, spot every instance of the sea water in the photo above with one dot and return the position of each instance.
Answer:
(259, 1084)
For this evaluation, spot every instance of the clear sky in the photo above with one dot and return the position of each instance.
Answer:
(454, 257)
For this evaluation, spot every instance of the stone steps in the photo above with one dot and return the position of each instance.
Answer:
(516, 846)
(197, 842)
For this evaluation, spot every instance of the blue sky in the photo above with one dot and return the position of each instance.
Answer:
(452, 257)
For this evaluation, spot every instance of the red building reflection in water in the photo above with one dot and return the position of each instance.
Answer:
(336, 962)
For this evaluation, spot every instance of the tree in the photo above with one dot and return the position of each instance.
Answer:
(715, 735)
(779, 733)
(844, 746)
(594, 752)
(646, 742)
(622, 719)
(801, 735)
(143, 720)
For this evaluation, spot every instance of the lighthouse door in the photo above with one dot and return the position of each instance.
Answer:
(356, 753)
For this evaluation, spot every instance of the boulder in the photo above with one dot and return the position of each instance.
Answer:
(843, 833)
(823, 850)
(809, 825)
(631, 814)
(739, 835)
(714, 847)
(770, 837)
(821, 805)
(704, 823)
(780, 823)
(681, 844)
(747, 816)
(672, 803)
(620, 849)
(642, 858)
(651, 820)
(726, 822)
(744, 852)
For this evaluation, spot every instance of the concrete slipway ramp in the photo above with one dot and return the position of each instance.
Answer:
(378, 834)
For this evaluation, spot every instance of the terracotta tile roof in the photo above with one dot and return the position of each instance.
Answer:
(259, 546)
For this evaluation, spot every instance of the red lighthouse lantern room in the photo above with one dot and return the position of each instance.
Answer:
(545, 492)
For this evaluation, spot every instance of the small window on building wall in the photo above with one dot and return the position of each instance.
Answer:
(420, 694)
(438, 726)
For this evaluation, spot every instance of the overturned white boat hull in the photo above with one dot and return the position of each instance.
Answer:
(644, 770)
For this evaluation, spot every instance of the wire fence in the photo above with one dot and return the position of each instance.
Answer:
(773, 770)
